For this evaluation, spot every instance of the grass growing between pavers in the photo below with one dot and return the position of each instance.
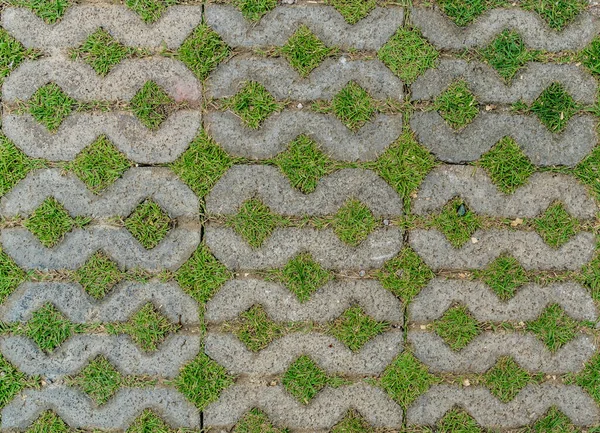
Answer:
(150, 104)
(148, 223)
(457, 327)
(506, 379)
(304, 51)
(304, 379)
(253, 104)
(50, 106)
(149, 10)
(202, 51)
(558, 13)
(98, 275)
(14, 165)
(48, 10)
(508, 53)
(12, 54)
(504, 276)
(352, 105)
(464, 12)
(457, 105)
(554, 327)
(253, 10)
(256, 421)
(457, 222)
(13, 381)
(353, 10)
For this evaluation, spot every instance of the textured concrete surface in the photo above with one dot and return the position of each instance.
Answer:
(203, 276)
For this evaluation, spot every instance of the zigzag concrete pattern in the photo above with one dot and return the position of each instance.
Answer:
(316, 294)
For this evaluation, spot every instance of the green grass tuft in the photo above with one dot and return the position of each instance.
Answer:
(406, 378)
(353, 222)
(256, 421)
(257, 330)
(48, 10)
(98, 275)
(353, 106)
(11, 276)
(590, 56)
(408, 54)
(504, 276)
(304, 164)
(99, 165)
(457, 222)
(555, 422)
(149, 10)
(353, 10)
(202, 380)
(254, 222)
(354, 328)
(48, 422)
(464, 12)
(405, 275)
(253, 10)
(14, 165)
(148, 327)
(151, 105)
(149, 422)
(50, 222)
(554, 327)
(507, 165)
(353, 422)
(590, 277)
(508, 53)
(12, 381)
(557, 13)
(99, 379)
(302, 276)
(556, 226)
(506, 379)
(588, 171)
(12, 54)
(253, 104)
(101, 51)
(458, 421)
(589, 378)
(305, 51)
(202, 51)
(50, 106)
(457, 327)
(304, 379)
(554, 107)
(148, 223)
(48, 328)
(202, 275)
(457, 105)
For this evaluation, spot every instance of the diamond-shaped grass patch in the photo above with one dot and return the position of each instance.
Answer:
(305, 51)
(254, 104)
(12, 53)
(151, 105)
(257, 330)
(554, 421)
(149, 10)
(49, 105)
(507, 165)
(554, 327)
(148, 327)
(353, 422)
(49, 328)
(48, 422)
(304, 379)
(98, 275)
(405, 275)
(504, 276)
(353, 222)
(457, 420)
(353, 10)
(304, 164)
(49, 222)
(99, 379)
(556, 226)
(506, 379)
(254, 222)
(557, 13)
(148, 223)
(588, 378)
(256, 421)
(589, 56)
(457, 327)
(457, 222)
(353, 106)
(355, 328)
(99, 165)
(14, 165)
(406, 378)
(12, 381)
(253, 10)
(11, 276)
(202, 381)
(303, 276)
(149, 422)
(101, 51)
(202, 51)
(457, 105)
(464, 12)
(554, 107)
(508, 53)
(48, 10)
(408, 54)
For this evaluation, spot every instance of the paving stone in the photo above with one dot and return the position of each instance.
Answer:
(536, 34)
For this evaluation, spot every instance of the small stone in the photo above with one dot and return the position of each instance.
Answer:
(466, 382)
(386, 222)
(300, 105)
(423, 327)
(516, 222)
(474, 240)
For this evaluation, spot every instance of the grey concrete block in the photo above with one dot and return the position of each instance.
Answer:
(243, 182)
(323, 412)
(285, 243)
(121, 22)
(541, 145)
(124, 129)
(490, 88)
(276, 27)
(527, 304)
(474, 186)
(527, 247)
(535, 32)
(80, 81)
(79, 411)
(279, 130)
(324, 82)
(530, 404)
